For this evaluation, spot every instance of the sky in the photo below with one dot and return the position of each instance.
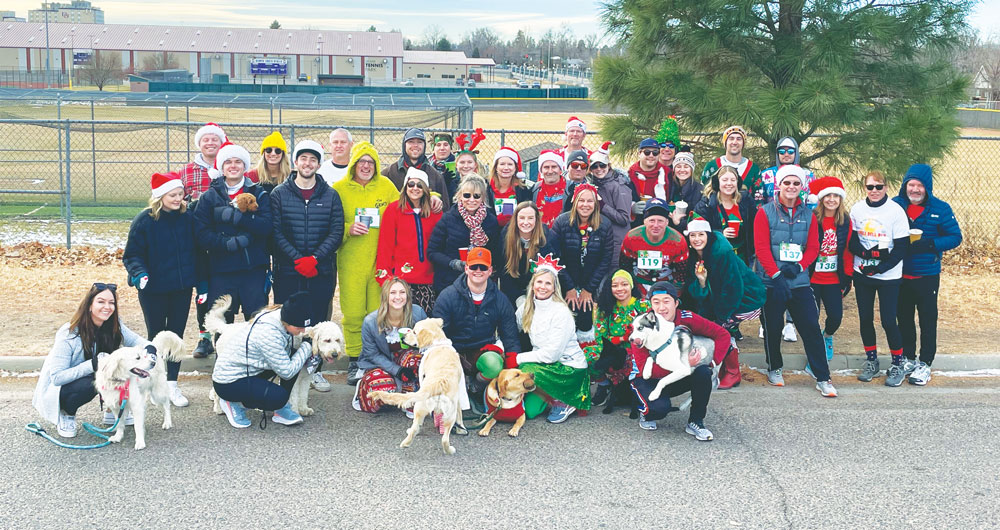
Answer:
(410, 16)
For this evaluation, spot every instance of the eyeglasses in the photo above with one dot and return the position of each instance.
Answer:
(479, 267)
(366, 162)
(468, 195)
(651, 152)
(786, 150)
(792, 184)
(578, 165)
(872, 187)
(412, 184)
(275, 150)
(106, 287)
(599, 165)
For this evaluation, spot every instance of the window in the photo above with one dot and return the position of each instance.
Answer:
(447, 76)
(423, 76)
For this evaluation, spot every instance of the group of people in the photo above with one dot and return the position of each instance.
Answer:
(546, 275)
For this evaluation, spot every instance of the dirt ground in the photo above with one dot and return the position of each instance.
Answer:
(45, 285)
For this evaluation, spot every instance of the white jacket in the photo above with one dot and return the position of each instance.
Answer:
(553, 335)
(66, 363)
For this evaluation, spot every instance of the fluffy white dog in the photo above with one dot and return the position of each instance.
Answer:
(137, 374)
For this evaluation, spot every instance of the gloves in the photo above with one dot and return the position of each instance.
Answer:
(869, 270)
(923, 246)
(871, 253)
(406, 374)
(638, 208)
(227, 214)
(312, 363)
(140, 281)
(306, 266)
(790, 270)
(237, 242)
(781, 289)
(510, 360)
(457, 265)
(845, 286)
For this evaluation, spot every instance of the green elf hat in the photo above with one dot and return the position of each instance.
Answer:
(443, 137)
(669, 133)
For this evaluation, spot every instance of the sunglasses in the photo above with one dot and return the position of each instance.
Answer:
(872, 187)
(106, 287)
(786, 150)
(651, 152)
(578, 165)
(792, 184)
(413, 184)
(668, 145)
(599, 165)
(275, 150)
(468, 195)
(479, 267)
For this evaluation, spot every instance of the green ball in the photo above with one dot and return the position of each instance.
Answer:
(489, 364)
(533, 405)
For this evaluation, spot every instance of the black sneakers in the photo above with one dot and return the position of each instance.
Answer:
(204, 349)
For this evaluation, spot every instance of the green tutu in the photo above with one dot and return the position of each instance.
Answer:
(569, 385)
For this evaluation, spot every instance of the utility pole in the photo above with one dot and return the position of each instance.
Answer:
(48, 52)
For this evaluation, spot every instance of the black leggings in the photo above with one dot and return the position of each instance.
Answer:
(829, 296)
(166, 311)
(865, 289)
(257, 392)
(699, 383)
(76, 394)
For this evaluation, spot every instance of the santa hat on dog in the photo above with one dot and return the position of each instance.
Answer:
(822, 187)
(164, 183)
(511, 154)
(575, 122)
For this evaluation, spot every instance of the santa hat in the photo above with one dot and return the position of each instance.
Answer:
(790, 170)
(576, 122)
(511, 154)
(697, 225)
(601, 155)
(731, 130)
(550, 155)
(231, 150)
(164, 183)
(822, 187)
(210, 128)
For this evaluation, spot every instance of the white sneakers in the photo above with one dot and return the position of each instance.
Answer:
(66, 425)
(109, 418)
(788, 333)
(176, 398)
(318, 382)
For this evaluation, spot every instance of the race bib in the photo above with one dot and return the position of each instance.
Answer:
(790, 252)
(650, 260)
(869, 262)
(826, 264)
(368, 217)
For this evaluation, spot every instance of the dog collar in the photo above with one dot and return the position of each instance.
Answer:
(662, 347)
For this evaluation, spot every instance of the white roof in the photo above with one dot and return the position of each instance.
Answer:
(435, 57)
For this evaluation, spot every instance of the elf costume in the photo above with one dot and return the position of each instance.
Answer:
(359, 292)
(615, 329)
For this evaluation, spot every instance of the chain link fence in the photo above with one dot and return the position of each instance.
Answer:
(100, 169)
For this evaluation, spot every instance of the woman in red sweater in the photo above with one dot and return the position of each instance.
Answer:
(831, 274)
(402, 242)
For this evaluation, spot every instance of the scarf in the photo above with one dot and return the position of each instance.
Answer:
(550, 200)
(474, 221)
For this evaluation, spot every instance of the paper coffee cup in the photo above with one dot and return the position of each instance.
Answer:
(915, 234)
(680, 207)
(463, 253)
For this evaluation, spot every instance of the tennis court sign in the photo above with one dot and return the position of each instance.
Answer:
(268, 66)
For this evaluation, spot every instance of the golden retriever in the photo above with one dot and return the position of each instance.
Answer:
(506, 392)
(440, 377)
(136, 374)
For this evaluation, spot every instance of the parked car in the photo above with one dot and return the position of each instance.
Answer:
(459, 81)
(303, 78)
(471, 83)
(408, 82)
(521, 83)
(536, 84)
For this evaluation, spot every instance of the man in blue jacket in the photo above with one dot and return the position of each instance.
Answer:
(932, 220)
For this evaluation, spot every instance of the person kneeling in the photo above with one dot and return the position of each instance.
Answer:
(251, 356)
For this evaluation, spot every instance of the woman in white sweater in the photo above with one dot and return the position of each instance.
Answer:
(556, 358)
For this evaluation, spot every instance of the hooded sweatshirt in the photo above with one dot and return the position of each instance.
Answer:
(935, 218)
(397, 172)
(767, 188)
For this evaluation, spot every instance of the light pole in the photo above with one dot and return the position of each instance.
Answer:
(48, 52)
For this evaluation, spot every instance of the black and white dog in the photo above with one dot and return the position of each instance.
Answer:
(672, 348)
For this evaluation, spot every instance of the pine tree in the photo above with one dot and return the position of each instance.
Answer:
(873, 76)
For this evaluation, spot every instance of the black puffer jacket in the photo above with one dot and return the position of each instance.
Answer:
(304, 229)
(471, 326)
(713, 212)
(165, 250)
(588, 274)
(451, 234)
(214, 235)
(515, 287)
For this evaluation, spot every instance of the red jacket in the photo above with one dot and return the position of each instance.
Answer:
(699, 326)
(402, 245)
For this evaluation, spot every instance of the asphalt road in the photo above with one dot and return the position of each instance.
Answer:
(782, 458)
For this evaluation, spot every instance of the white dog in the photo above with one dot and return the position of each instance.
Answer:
(328, 342)
(674, 348)
(136, 374)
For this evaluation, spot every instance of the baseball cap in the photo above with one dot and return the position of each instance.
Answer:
(479, 256)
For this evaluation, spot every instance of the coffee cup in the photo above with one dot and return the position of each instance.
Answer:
(915, 234)
(681, 207)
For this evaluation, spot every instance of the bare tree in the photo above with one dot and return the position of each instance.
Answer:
(103, 68)
(982, 62)
(160, 61)
(432, 36)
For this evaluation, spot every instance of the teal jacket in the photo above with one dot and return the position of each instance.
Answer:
(732, 288)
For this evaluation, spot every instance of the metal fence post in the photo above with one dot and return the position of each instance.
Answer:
(292, 135)
(166, 117)
(272, 111)
(93, 149)
(187, 131)
(62, 201)
(371, 122)
(69, 198)
(503, 137)
(279, 113)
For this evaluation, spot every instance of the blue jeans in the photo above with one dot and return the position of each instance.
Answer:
(257, 392)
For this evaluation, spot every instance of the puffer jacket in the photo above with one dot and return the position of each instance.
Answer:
(314, 228)
(259, 345)
(711, 210)
(937, 222)
(588, 272)
(616, 205)
(516, 287)
(213, 234)
(471, 326)
(402, 245)
(450, 234)
(165, 250)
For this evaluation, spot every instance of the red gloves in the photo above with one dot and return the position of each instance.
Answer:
(510, 360)
(306, 266)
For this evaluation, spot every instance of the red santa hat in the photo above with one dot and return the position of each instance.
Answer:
(576, 122)
(164, 183)
(822, 187)
(231, 150)
(551, 155)
(210, 128)
(511, 154)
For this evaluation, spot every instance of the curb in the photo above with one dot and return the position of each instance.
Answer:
(942, 362)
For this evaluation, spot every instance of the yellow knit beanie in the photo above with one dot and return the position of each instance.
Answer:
(274, 140)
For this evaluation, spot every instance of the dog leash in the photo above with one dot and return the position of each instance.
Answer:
(36, 428)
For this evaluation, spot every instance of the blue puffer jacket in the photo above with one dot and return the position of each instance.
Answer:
(471, 326)
(165, 250)
(213, 234)
(937, 221)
